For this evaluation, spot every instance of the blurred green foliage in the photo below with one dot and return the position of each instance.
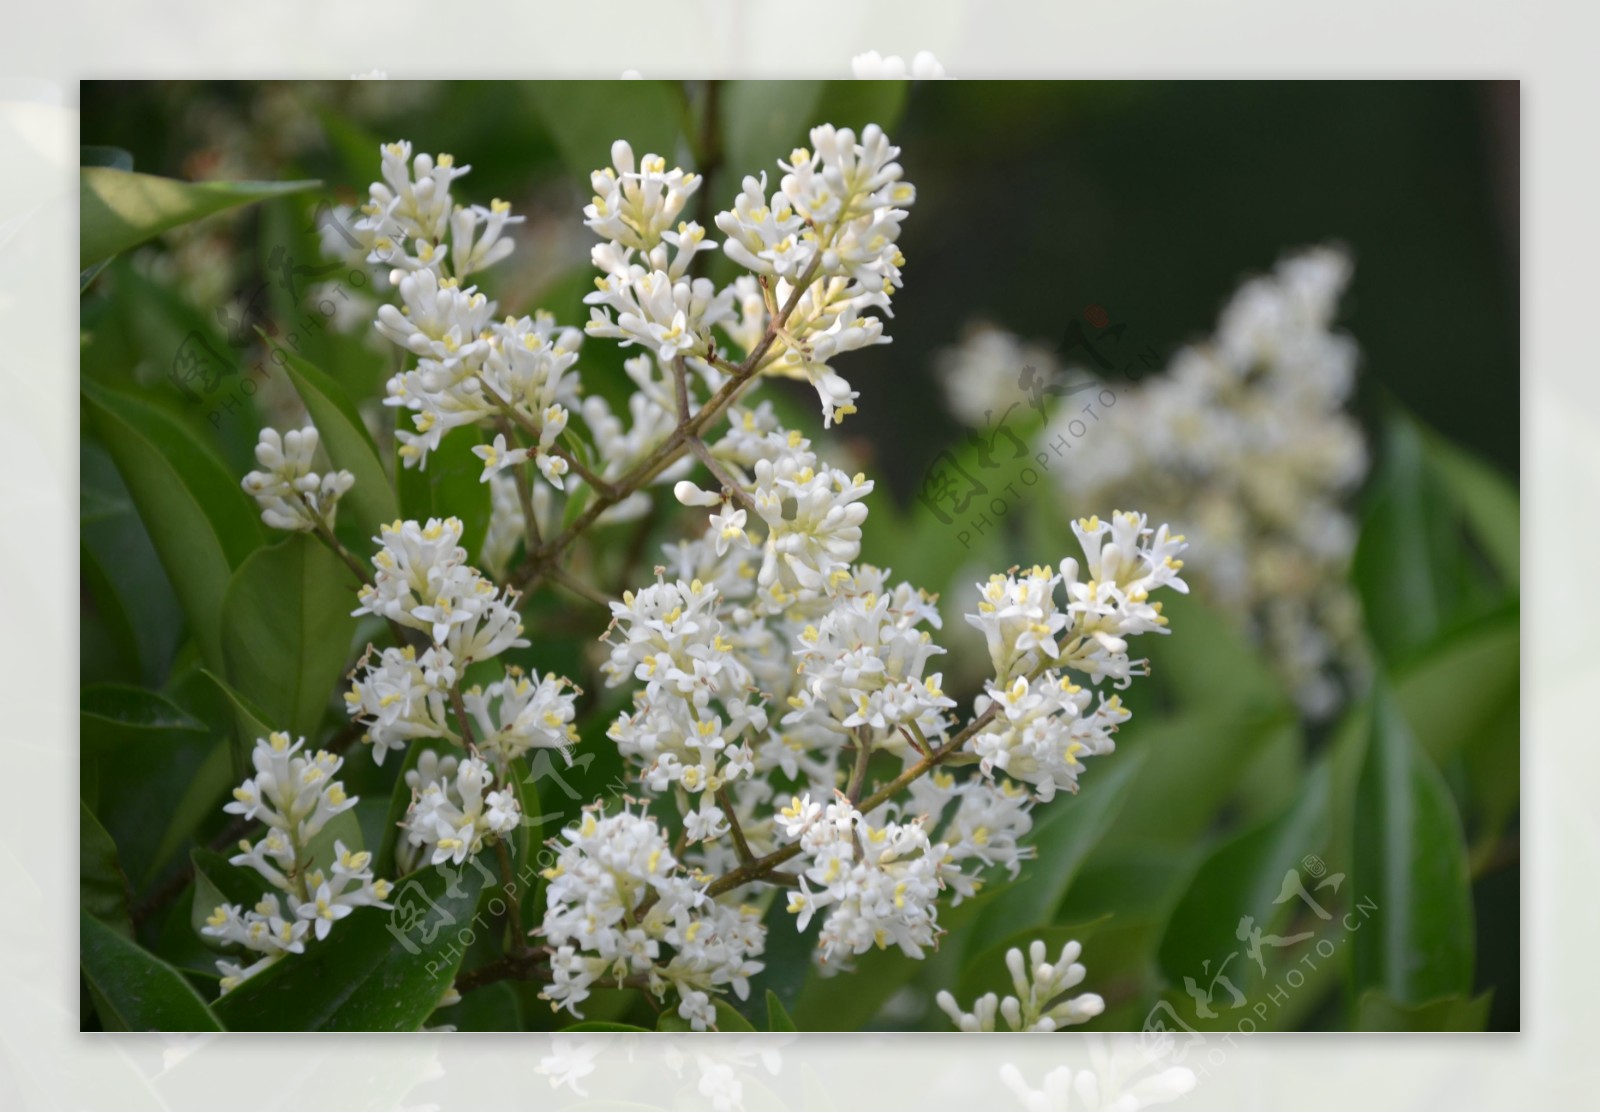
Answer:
(1035, 200)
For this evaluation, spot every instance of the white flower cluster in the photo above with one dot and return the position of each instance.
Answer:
(295, 795)
(879, 881)
(1040, 1004)
(290, 494)
(1043, 723)
(831, 226)
(1245, 444)
(454, 809)
(424, 583)
(622, 911)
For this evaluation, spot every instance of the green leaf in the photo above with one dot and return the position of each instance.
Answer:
(377, 971)
(287, 629)
(855, 104)
(449, 487)
(586, 117)
(218, 881)
(762, 121)
(342, 828)
(778, 1018)
(344, 436)
(1245, 876)
(150, 748)
(1488, 501)
(730, 1019)
(119, 209)
(200, 522)
(1455, 690)
(250, 722)
(134, 990)
(1066, 831)
(606, 1026)
(1410, 861)
(102, 888)
(399, 803)
(1377, 1013)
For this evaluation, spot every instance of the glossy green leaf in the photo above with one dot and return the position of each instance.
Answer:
(1410, 861)
(730, 1019)
(102, 888)
(344, 437)
(134, 990)
(287, 631)
(200, 522)
(1377, 1013)
(119, 209)
(378, 970)
(603, 1026)
(1245, 877)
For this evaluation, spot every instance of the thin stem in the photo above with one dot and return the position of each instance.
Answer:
(672, 449)
(730, 485)
(567, 580)
(858, 775)
(761, 869)
(740, 846)
(519, 936)
(577, 466)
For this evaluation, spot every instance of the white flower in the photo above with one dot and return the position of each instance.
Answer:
(290, 494)
(295, 796)
(873, 66)
(635, 206)
(1038, 1005)
(619, 907)
(878, 884)
(423, 582)
(1245, 444)
(522, 713)
(454, 809)
(398, 697)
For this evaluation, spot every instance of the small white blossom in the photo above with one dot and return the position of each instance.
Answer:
(1040, 1004)
(290, 494)
(455, 809)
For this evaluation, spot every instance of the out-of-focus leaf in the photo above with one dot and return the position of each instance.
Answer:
(287, 631)
(1488, 501)
(778, 1018)
(1410, 861)
(1065, 832)
(202, 525)
(762, 121)
(124, 576)
(134, 990)
(1455, 689)
(149, 748)
(377, 971)
(1245, 877)
(855, 104)
(603, 1026)
(586, 117)
(345, 438)
(119, 209)
(449, 487)
(730, 1019)
(1377, 1013)
(492, 1008)
(102, 888)
(115, 158)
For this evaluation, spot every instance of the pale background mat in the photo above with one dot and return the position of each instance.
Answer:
(44, 1062)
